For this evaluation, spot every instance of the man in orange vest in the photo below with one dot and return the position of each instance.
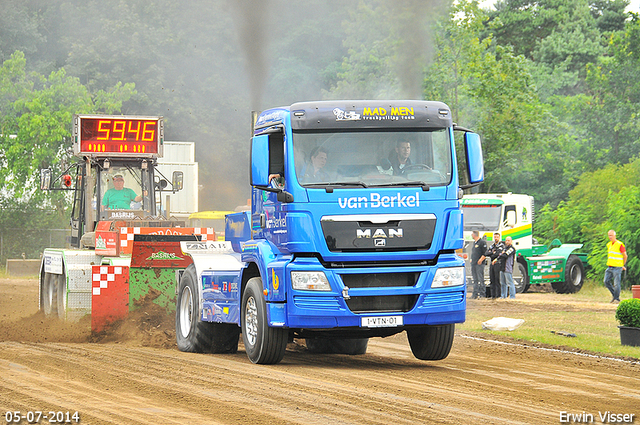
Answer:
(616, 260)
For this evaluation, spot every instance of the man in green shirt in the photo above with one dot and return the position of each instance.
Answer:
(119, 197)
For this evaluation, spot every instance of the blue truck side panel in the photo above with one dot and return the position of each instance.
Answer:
(221, 296)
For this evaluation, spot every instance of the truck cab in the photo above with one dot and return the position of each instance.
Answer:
(352, 233)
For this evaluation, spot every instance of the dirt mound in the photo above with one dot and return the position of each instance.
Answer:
(148, 325)
(38, 328)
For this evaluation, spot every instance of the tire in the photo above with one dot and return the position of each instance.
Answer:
(521, 279)
(263, 344)
(349, 346)
(49, 293)
(431, 342)
(192, 334)
(573, 276)
(53, 295)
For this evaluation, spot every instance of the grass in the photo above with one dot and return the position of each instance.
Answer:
(586, 314)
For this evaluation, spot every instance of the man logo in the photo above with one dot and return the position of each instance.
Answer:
(379, 242)
(379, 233)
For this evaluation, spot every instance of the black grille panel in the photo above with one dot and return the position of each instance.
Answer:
(379, 280)
(382, 304)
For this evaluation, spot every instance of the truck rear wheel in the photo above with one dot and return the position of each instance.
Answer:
(431, 342)
(573, 276)
(192, 334)
(53, 292)
(350, 346)
(263, 344)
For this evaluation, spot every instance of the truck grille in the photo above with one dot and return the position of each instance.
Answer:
(379, 304)
(379, 280)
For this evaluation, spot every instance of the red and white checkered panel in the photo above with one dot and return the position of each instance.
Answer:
(127, 234)
(109, 295)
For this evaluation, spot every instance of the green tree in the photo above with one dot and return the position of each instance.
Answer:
(491, 90)
(560, 37)
(612, 114)
(603, 199)
(36, 126)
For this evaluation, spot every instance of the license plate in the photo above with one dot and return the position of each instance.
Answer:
(381, 322)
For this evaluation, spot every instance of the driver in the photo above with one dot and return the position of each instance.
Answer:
(400, 158)
(119, 197)
(314, 171)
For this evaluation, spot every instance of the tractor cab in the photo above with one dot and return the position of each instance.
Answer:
(116, 180)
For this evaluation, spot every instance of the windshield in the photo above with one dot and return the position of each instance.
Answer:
(373, 158)
(481, 217)
(122, 188)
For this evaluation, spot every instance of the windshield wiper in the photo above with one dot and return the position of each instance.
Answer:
(425, 187)
(476, 226)
(330, 186)
(358, 183)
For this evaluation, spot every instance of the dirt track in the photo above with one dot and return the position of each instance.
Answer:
(144, 379)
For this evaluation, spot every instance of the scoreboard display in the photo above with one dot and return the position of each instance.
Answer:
(118, 136)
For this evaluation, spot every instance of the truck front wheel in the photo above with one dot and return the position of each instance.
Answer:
(194, 335)
(263, 344)
(431, 342)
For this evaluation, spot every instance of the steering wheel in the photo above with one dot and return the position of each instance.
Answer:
(417, 167)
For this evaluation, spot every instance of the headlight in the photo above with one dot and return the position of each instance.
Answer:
(310, 281)
(449, 276)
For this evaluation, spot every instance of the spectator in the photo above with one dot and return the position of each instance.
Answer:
(494, 269)
(477, 265)
(507, 261)
(616, 263)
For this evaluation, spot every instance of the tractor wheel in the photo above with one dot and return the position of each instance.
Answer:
(53, 294)
(49, 295)
(263, 344)
(431, 342)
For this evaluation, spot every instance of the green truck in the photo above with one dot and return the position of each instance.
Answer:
(561, 265)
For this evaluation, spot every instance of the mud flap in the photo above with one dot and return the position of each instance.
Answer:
(109, 295)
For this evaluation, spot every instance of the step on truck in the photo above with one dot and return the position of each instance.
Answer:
(124, 244)
(561, 265)
(353, 230)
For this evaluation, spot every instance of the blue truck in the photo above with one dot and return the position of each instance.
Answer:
(354, 226)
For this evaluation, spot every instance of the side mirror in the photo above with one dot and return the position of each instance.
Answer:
(260, 160)
(177, 180)
(45, 179)
(511, 219)
(475, 161)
